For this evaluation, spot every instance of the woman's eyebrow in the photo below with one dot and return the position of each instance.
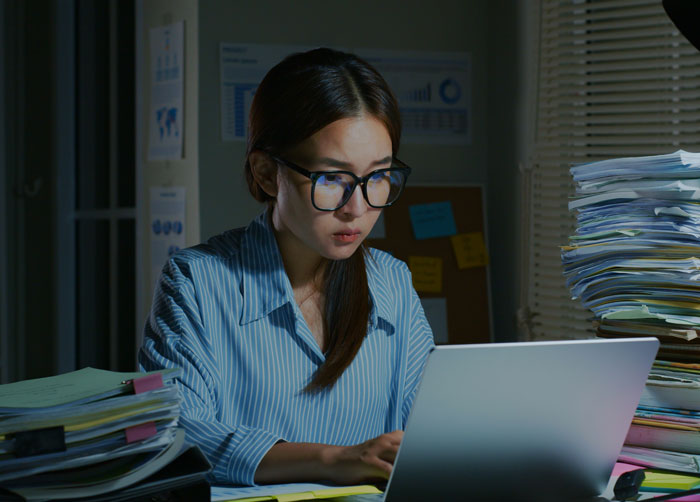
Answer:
(331, 162)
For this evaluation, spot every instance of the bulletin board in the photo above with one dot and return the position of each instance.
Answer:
(450, 271)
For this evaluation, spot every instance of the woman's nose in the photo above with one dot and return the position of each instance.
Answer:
(356, 206)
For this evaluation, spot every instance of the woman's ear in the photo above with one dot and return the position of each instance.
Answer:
(264, 170)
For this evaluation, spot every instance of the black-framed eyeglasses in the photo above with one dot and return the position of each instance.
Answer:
(331, 190)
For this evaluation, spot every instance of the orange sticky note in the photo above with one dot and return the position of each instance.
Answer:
(470, 250)
(426, 272)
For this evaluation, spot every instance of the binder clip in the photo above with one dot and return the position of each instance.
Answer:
(39, 441)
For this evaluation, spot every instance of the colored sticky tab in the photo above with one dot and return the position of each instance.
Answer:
(470, 250)
(432, 220)
(140, 432)
(426, 272)
(147, 382)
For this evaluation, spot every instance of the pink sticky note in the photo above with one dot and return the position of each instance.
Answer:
(621, 468)
(147, 382)
(689, 498)
(139, 432)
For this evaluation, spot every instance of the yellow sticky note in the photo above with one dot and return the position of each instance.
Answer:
(252, 499)
(294, 497)
(671, 481)
(470, 250)
(427, 273)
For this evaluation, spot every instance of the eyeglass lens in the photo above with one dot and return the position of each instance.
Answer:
(332, 190)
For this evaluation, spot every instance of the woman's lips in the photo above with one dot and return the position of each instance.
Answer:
(347, 235)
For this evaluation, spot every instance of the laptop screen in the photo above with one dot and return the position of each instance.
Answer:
(514, 421)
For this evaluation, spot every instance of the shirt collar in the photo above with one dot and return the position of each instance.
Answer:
(378, 288)
(266, 286)
(265, 283)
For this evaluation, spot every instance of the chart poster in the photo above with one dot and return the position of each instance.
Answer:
(167, 226)
(242, 68)
(165, 122)
(433, 90)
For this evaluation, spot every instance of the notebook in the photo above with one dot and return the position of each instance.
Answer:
(519, 421)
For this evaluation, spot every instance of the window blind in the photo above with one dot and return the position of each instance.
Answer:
(614, 79)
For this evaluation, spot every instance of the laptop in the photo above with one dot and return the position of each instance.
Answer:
(520, 421)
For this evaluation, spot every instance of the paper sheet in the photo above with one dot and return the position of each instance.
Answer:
(470, 250)
(242, 68)
(427, 273)
(62, 389)
(167, 226)
(166, 121)
(433, 90)
(434, 219)
(287, 492)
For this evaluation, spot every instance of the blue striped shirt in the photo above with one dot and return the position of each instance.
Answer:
(225, 312)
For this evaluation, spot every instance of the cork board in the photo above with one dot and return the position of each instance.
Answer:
(464, 290)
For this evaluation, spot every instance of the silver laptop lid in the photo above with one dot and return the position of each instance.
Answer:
(512, 421)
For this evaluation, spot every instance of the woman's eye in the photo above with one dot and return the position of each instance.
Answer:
(378, 178)
(330, 179)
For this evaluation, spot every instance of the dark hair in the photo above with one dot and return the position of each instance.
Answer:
(298, 97)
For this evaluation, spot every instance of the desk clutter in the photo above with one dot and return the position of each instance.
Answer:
(635, 263)
(90, 433)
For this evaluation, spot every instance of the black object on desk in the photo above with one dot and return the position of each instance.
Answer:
(627, 485)
(182, 480)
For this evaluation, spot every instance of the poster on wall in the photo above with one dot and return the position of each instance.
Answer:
(242, 68)
(433, 90)
(166, 121)
(167, 226)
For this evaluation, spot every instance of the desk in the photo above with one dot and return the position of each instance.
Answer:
(607, 495)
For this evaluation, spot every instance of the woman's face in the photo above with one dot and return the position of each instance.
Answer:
(360, 145)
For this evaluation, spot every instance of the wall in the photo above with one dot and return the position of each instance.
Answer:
(184, 172)
(446, 25)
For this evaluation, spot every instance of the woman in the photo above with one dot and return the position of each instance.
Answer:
(301, 349)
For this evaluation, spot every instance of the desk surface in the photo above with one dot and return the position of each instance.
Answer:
(607, 494)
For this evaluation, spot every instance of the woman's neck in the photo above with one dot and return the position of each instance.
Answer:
(304, 268)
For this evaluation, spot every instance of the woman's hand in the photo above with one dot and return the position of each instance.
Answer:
(366, 462)
(346, 465)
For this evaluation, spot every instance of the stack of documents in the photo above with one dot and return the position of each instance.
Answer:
(665, 431)
(635, 258)
(635, 263)
(88, 432)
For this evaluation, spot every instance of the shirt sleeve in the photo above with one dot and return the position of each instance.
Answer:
(419, 346)
(175, 336)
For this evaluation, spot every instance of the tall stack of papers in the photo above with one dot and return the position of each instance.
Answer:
(87, 432)
(636, 253)
(635, 263)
